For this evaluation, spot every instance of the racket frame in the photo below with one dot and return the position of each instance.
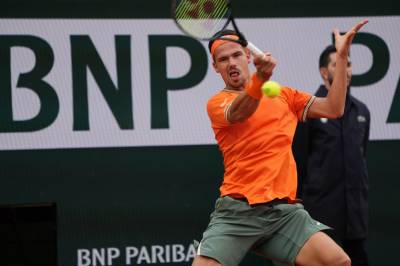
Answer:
(230, 18)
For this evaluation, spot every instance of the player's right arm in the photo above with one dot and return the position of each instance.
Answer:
(241, 108)
(247, 101)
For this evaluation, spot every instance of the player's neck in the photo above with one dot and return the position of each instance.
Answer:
(230, 88)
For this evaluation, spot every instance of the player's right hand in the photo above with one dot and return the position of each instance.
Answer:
(265, 66)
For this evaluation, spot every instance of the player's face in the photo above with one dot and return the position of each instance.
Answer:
(332, 66)
(231, 60)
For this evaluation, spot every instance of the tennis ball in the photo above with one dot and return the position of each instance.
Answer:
(271, 88)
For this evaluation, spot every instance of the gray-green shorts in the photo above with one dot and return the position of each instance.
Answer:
(276, 231)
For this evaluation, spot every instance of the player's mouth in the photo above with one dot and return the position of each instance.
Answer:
(234, 73)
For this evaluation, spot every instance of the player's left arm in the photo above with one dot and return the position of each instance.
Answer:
(328, 107)
(332, 106)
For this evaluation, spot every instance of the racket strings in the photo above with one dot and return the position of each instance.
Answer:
(202, 18)
(203, 9)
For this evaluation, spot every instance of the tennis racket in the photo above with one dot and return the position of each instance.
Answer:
(203, 19)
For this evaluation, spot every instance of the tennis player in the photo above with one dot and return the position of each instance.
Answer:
(258, 210)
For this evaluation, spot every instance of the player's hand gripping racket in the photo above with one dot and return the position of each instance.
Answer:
(203, 19)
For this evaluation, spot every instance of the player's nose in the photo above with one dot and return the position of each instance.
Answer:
(232, 61)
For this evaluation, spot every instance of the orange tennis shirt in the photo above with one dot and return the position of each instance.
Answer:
(258, 159)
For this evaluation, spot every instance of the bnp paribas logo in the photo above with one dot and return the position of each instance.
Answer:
(50, 78)
(125, 89)
(133, 255)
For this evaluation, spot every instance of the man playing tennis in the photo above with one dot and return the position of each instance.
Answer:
(257, 209)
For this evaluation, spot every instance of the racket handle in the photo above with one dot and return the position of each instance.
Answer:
(254, 50)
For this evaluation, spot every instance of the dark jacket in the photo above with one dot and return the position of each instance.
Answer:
(334, 181)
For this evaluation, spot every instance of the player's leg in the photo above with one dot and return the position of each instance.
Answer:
(205, 261)
(295, 238)
(231, 233)
(218, 248)
(320, 249)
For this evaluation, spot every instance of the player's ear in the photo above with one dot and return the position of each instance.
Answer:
(248, 55)
(215, 66)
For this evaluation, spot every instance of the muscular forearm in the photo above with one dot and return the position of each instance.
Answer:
(242, 108)
(332, 106)
(337, 93)
(248, 100)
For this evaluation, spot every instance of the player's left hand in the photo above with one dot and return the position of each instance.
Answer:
(343, 42)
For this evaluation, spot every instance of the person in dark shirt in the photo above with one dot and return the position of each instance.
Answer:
(334, 179)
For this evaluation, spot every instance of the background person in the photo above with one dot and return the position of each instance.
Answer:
(334, 178)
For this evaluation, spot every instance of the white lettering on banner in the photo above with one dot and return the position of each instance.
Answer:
(97, 257)
(131, 252)
(187, 121)
(155, 254)
(143, 256)
(168, 257)
(84, 257)
(178, 253)
(112, 253)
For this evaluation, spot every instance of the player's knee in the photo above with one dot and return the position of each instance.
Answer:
(346, 261)
(340, 260)
(205, 261)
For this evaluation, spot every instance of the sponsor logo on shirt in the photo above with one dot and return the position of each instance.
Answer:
(224, 103)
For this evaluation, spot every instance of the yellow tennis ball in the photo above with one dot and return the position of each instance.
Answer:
(271, 88)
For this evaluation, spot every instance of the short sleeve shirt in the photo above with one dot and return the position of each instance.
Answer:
(258, 159)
